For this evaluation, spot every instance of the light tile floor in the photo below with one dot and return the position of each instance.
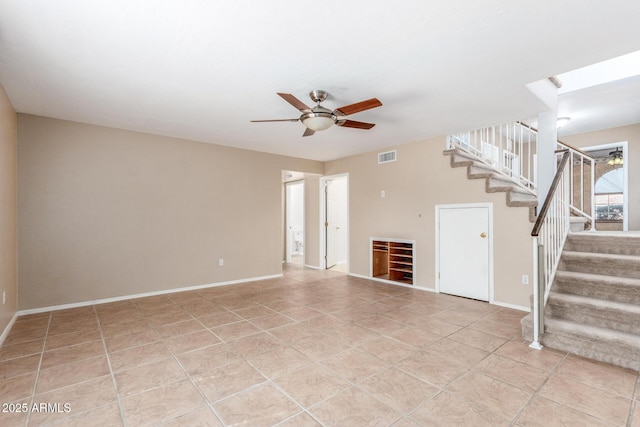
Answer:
(312, 348)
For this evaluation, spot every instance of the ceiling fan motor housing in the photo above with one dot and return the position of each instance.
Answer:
(318, 96)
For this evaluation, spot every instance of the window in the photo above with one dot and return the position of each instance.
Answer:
(609, 206)
(609, 197)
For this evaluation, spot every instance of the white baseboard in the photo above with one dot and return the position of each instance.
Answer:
(391, 282)
(8, 328)
(142, 295)
(313, 267)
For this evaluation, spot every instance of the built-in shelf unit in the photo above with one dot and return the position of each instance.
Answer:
(392, 259)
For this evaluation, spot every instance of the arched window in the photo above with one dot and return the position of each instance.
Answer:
(609, 196)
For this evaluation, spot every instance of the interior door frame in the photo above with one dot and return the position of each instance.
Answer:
(625, 174)
(489, 206)
(323, 218)
(287, 243)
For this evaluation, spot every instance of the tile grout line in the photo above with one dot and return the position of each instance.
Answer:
(173, 355)
(226, 342)
(111, 373)
(267, 378)
(193, 382)
(304, 409)
(351, 384)
(634, 399)
(191, 379)
(316, 362)
(177, 360)
(35, 384)
(537, 391)
(467, 371)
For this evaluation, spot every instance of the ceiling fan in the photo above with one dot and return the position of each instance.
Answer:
(320, 118)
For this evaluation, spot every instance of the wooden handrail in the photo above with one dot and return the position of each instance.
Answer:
(547, 201)
(584, 153)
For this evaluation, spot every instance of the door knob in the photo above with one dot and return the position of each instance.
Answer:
(483, 235)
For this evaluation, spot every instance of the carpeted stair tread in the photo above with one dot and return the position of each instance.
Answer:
(496, 183)
(605, 242)
(480, 171)
(576, 275)
(568, 299)
(600, 263)
(615, 347)
(460, 158)
(521, 199)
(593, 332)
(608, 257)
(613, 315)
(594, 277)
(568, 281)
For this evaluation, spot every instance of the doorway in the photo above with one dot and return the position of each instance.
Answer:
(335, 222)
(464, 250)
(611, 187)
(294, 222)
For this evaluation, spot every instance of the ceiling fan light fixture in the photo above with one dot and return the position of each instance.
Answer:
(318, 121)
(615, 158)
(562, 121)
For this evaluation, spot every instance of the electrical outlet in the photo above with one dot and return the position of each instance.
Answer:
(383, 193)
(4, 297)
(525, 279)
(221, 262)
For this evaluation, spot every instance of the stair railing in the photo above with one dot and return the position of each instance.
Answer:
(582, 177)
(549, 235)
(508, 148)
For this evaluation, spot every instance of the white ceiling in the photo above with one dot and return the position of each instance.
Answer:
(202, 69)
(600, 107)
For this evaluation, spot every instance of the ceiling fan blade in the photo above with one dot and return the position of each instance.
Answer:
(308, 132)
(357, 107)
(276, 120)
(294, 101)
(354, 124)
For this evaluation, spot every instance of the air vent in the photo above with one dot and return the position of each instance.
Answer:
(389, 156)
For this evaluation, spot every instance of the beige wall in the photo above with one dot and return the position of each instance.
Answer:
(8, 213)
(312, 255)
(609, 136)
(419, 180)
(107, 213)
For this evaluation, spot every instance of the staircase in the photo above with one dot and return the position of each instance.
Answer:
(495, 181)
(593, 308)
(593, 295)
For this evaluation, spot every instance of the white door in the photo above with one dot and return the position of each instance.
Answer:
(464, 251)
(336, 222)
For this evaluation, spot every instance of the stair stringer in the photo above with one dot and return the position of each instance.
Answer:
(495, 181)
